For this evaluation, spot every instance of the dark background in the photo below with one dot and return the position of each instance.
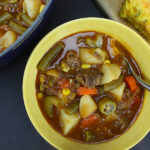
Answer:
(16, 130)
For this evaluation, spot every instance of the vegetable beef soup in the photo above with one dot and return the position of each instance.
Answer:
(16, 16)
(85, 89)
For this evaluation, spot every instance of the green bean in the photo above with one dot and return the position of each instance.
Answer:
(12, 1)
(50, 56)
(17, 28)
(113, 84)
(73, 108)
(5, 17)
(3, 2)
(27, 19)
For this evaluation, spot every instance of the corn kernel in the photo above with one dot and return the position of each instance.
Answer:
(86, 66)
(41, 8)
(40, 95)
(65, 67)
(107, 61)
(66, 91)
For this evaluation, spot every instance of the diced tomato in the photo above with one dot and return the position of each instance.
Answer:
(86, 91)
(63, 83)
(131, 83)
(90, 120)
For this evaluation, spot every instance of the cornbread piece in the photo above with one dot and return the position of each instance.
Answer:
(137, 12)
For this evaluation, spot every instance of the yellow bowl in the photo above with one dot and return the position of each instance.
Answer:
(137, 47)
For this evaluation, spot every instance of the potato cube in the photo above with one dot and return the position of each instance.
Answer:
(69, 121)
(87, 106)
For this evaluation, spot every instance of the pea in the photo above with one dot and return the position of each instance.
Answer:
(50, 56)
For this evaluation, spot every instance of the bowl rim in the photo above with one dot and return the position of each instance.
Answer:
(43, 39)
(28, 32)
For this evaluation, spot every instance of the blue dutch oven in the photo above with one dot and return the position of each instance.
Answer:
(20, 45)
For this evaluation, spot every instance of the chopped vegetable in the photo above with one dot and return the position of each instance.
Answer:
(42, 78)
(68, 121)
(107, 106)
(89, 136)
(7, 39)
(50, 82)
(92, 55)
(48, 104)
(39, 95)
(118, 91)
(51, 100)
(33, 7)
(86, 122)
(5, 17)
(17, 28)
(115, 51)
(86, 66)
(50, 56)
(50, 114)
(41, 8)
(87, 106)
(107, 61)
(42, 87)
(66, 91)
(72, 96)
(111, 72)
(131, 83)
(24, 8)
(64, 98)
(113, 84)
(73, 108)
(112, 117)
(86, 91)
(65, 67)
(94, 43)
(28, 20)
(63, 83)
(52, 72)
(11, 1)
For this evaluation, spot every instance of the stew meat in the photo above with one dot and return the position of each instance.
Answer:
(16, 16)
(85, 89)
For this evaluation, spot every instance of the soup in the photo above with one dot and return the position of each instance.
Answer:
(16, 16)
(85, 89)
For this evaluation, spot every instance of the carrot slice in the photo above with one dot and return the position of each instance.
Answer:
(86, 91)
(90, 120)
(131, 83)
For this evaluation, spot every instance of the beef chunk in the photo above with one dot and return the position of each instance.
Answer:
(72, 60)
(89, 78)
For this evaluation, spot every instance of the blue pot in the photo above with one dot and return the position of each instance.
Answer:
(20, 45)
